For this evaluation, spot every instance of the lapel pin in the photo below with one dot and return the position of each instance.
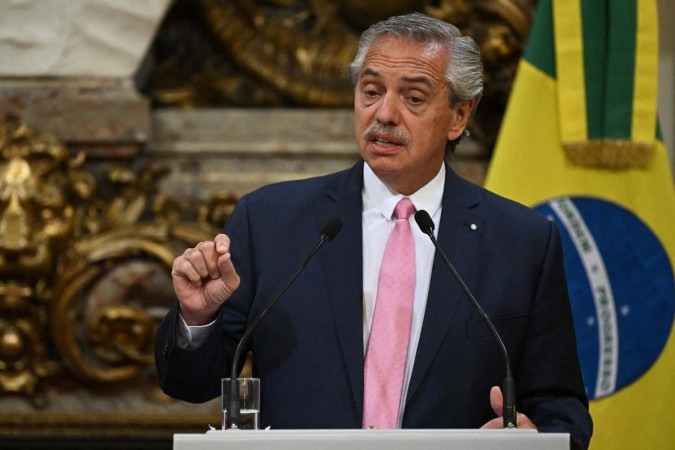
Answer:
(473, 227)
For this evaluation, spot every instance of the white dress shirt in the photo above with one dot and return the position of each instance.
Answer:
(378, 207)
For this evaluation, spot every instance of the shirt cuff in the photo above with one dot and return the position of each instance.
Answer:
(190, 337)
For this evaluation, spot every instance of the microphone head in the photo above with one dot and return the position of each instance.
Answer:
(331, 229)
(424, 222)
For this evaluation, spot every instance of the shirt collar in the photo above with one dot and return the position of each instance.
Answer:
(428, 197)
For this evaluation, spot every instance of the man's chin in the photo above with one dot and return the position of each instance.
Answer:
(386, 168)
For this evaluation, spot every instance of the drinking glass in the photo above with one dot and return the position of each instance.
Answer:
(249, 401)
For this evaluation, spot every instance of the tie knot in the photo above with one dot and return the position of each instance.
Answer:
(404, 209)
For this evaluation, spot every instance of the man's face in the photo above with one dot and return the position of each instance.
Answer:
(403, 118)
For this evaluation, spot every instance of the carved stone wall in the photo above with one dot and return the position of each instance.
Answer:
(295, 53)
(84, 280)
(238, 150)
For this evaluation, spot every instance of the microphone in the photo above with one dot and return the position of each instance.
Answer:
(509, 387)
(328, 233)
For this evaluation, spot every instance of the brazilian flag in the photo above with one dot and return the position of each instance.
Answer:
(580, 143)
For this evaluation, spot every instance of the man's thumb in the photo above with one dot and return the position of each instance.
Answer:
(496, 400)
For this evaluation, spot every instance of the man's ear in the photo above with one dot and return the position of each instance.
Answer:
(462, 115)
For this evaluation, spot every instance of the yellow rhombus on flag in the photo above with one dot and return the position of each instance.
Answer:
(581, 144)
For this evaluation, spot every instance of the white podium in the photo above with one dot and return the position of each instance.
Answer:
(372, 440)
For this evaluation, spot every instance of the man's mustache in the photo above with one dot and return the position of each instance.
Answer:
(386, 131)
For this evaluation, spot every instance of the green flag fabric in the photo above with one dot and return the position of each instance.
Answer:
(580, 143)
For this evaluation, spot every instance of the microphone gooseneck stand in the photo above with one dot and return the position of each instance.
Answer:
(330, 230)
(509, 413)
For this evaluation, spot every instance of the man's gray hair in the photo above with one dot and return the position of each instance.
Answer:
(464, 74)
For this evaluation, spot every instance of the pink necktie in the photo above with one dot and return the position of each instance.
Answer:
(389, 335)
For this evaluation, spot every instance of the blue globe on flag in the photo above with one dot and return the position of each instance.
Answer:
(621, 288)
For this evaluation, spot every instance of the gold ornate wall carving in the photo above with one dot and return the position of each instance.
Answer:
(84, 279)
(296, 52)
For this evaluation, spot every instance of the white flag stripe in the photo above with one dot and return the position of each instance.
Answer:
(601, 288)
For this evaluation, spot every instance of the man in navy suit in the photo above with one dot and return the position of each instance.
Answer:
(417, 81)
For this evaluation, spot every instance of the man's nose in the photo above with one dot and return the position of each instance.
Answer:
(388, 110)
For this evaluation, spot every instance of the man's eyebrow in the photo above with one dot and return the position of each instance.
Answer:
(369, 71)
(420, 79)
(410, 80)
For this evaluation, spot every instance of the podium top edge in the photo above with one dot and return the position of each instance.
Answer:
(366, 434)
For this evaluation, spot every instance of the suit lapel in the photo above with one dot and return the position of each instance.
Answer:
(460, 242)
(343, 260)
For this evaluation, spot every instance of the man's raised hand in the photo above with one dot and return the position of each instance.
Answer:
(204, 278)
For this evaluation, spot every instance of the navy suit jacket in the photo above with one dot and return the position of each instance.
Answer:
(308, 350)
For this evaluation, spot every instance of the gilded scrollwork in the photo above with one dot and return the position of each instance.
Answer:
(84, 274)
(296, 52)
